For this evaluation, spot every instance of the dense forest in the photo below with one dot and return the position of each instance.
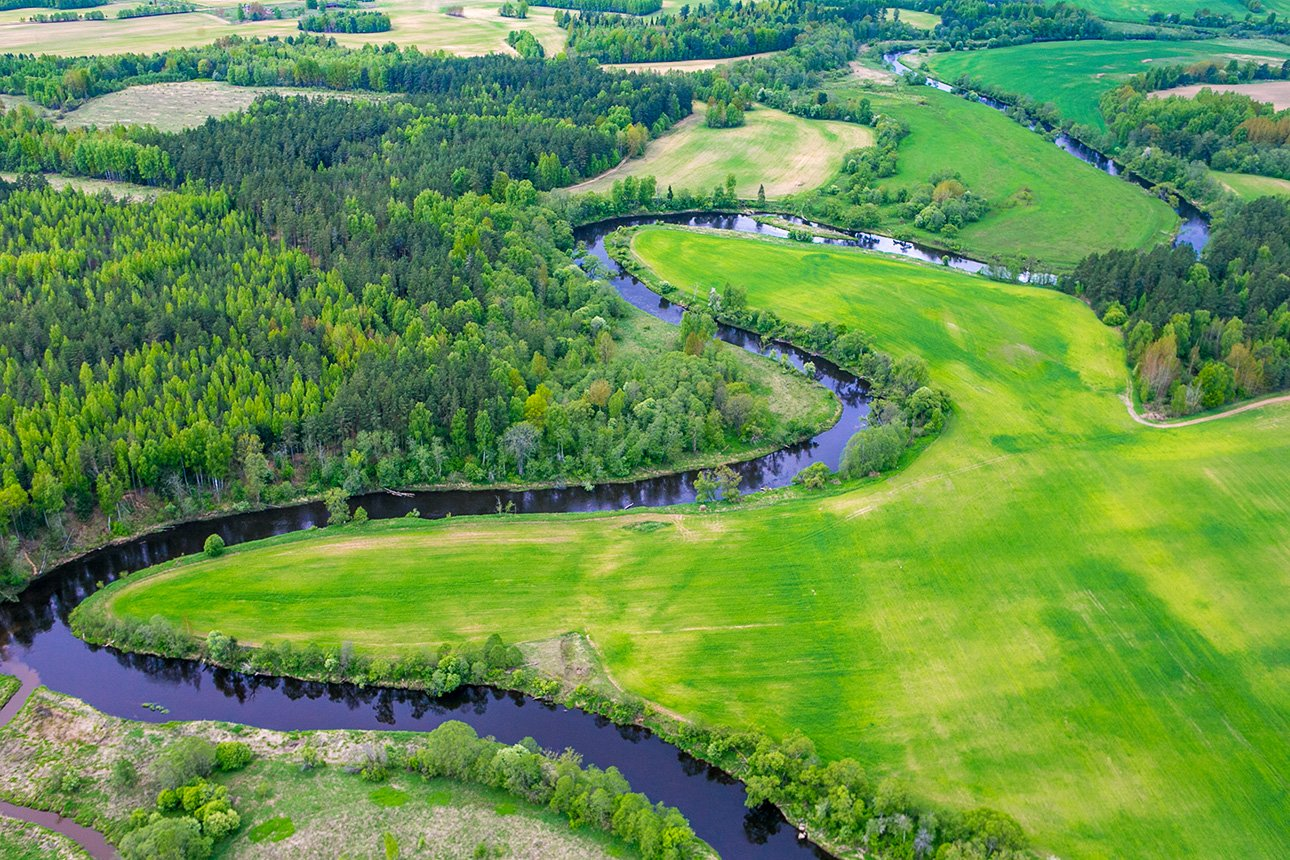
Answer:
(371, 294)
(1202, 333)
(972, 23)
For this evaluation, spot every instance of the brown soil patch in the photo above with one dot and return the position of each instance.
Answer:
(1276, 93)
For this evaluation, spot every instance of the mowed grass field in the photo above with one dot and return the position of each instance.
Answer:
(1043, 201)
(1073, 75)
(1053, 610)
(175, 106)
(479, 30)
(1249, 186)
(785, 153)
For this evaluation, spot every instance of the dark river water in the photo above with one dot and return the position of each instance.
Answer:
(1194, 230)
(37, 645)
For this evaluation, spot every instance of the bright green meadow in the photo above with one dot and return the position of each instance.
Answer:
(1053, 610)
(1073, 75)
(1139, 10)
(1043, 202)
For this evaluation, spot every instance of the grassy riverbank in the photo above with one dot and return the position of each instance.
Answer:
(301, 794)
(22, 840)
(797, 408)
(1050, 604)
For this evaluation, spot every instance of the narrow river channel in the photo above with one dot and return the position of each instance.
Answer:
(37, 646)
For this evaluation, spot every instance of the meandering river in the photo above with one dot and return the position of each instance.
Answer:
(37, 646)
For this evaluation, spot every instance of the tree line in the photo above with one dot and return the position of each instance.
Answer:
(1201, 333)
(576, 90)
(344, 21)
(626, 7)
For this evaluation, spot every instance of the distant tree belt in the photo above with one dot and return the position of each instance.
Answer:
(629, 7)
(1227, 131)
(152, 10)
(965, 23)
(50, 4)
(574, 90)
(1202, 333)
(345, 22)
(525, 44)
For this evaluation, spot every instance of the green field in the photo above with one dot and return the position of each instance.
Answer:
(478, 30)
(1073, 75)
(1073, 209)
(1248, 186)
(923, 20)
(1138, 10)
(1053, 611)
(783, 152)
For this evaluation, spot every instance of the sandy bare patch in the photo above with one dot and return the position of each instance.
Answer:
(684, 65)
(868, 73)
(1276, 93)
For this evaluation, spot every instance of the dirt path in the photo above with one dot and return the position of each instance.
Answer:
(1145, 422)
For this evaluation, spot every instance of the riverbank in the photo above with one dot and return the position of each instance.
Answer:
(304, 790)
(798, 409)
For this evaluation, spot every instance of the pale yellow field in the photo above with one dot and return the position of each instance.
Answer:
(784, 153)
(79, 38)
(1276, 93)
(418, 23)
(119, 190)
(683, 65)
(175, 106)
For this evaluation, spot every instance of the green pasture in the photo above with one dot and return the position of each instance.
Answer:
(1053, 610)
(1044, 203)
(1073, 75)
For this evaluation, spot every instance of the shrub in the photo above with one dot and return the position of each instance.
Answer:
(1115, 315)
(232, 755)
(360, 515)
(214, 546)
(184, 760)
(873, 449)
(171, 838)
(813, 477)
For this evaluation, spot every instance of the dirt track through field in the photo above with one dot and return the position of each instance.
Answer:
(1204, 419)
